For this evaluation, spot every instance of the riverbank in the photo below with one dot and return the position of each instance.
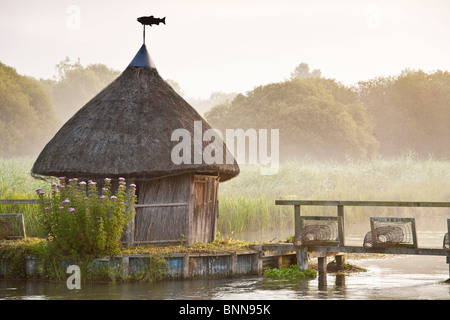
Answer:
(33, 259)
(391, 278)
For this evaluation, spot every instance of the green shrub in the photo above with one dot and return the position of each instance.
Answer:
(79, 221)
(292, 272)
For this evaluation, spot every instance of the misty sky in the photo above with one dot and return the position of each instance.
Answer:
(230, 45)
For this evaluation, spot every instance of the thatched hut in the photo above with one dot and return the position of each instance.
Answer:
(125, 131)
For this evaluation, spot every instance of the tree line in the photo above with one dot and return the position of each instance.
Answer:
(31, 110)
(323, 119)
(317, 117)
(27, 118)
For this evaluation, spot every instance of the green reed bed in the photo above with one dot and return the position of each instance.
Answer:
(247, 203)
(16, 182)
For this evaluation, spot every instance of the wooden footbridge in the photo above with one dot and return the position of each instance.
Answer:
(306, 243)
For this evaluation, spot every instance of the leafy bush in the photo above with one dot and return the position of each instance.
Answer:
(292, 272)
(79, 221)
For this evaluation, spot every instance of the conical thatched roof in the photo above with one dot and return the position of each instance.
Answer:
(125, 131)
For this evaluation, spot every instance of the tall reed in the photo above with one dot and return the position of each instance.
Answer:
(16, 182)
(247, 202)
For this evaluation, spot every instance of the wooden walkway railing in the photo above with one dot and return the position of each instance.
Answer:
(323, 251)
(129, 239)
(19, 201)
(153, 205)
(419, 204)
(341, 204)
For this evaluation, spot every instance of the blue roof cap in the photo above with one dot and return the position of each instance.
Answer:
(142, 59)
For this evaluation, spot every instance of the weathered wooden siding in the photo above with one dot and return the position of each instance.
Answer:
(184, 210)
(244, 264)
(208, 266)
(163, 224)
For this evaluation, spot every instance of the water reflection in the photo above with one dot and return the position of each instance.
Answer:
(407, 277)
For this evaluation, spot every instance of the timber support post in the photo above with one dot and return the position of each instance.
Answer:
(257, 260)
(341, 214)
(448, 262)
(322, 269)
(186, 260)
(302, 258)
(233, 263)
(297, 224)
(278, 261)
(340, 260)
(125, 265)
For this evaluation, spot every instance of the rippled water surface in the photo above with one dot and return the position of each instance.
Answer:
(405, 277)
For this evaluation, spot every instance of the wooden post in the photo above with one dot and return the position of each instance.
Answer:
(22, 225)
(190, 212)
(414, 234)
(233, 263)
(297, 224)
(340, 280)
(341, 214)
(215, 214)
(340, 260)
(322, 265)
(125, 265)
(322, 268)
(186, 266)
(448, 236)
(130, 226)
(130, 232)
(448, 262)
(257, 263)
(373, 232)
(302, 259)
(278, 261)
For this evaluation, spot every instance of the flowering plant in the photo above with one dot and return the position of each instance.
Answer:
(79, 219)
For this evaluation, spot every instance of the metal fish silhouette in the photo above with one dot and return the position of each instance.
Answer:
(149, 21)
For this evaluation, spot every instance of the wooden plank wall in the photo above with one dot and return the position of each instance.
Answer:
(163, 224)
(177, 209)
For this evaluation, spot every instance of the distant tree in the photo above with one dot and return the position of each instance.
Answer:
(218, 97)
(27, 119)
(410, 111)
(316, 117)
(175, 86)
(302, 71)
(75, 85)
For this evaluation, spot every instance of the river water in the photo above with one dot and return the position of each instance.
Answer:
(393, 277)
(400, 277)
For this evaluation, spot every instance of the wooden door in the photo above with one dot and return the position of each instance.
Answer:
(205, 213)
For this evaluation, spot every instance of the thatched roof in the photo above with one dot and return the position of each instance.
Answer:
(125, 131)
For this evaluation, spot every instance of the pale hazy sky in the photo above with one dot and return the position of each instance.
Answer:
(230, 45)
